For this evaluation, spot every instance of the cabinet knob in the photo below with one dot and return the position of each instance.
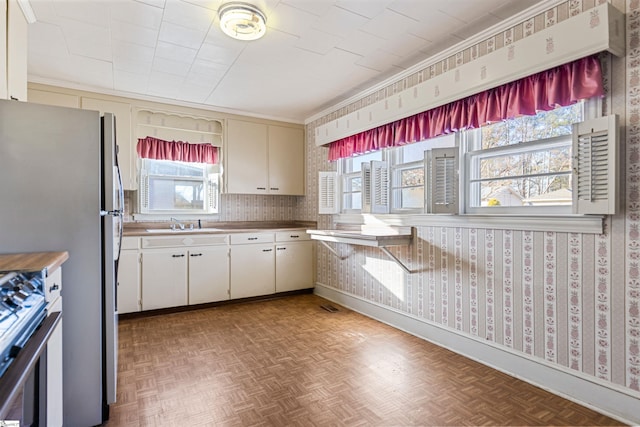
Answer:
(267, 250)
(281, 249)
(178, 256)
(261, 188)
(196, 255)
(294, 236)
(55, 287)
(275, 188)
(252, 238)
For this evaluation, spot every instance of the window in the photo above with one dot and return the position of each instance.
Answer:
(353, 174)
(404, 186)
(556, 162)
(172, 187)
(522, 164)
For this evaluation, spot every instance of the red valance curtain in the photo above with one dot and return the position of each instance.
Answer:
(154, 148)
(559, 86)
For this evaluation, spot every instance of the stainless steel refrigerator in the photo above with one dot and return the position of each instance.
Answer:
(60, 191)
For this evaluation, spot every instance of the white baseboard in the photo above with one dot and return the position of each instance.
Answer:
(613, 401)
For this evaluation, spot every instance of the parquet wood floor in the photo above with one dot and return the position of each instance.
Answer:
(288, 362)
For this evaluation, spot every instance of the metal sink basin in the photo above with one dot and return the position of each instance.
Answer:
(179, 231)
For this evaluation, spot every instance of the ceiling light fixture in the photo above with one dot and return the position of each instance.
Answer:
(242, 21)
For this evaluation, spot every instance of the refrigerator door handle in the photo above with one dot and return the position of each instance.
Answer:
(117, 212)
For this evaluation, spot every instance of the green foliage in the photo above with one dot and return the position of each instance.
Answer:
(543, 125)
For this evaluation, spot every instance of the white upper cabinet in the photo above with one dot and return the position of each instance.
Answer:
(286, 160)
(13, 51)
(246, 171)
(264, 159)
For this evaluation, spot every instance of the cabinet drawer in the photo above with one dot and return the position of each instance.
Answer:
(162, 242)
(52, 285)
(208, 239)
(130, 243)
(181, 241)
(248, 238)
(292, 236)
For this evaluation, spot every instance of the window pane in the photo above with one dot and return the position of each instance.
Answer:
(356, 162)
(415, 152)
(411, 177)
(528, 163)
(410, 198)
(175, 194)
(166, 167)
(352, 200)
(355, 184)
(530, 191)
(179, 187)
(545, 124)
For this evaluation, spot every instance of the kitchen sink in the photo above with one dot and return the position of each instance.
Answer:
(179, 231)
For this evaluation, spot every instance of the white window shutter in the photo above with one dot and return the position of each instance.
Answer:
(366, 187)
(443, 165)
(328, 193)
(144, 191)
(596, 166)
(379, 187)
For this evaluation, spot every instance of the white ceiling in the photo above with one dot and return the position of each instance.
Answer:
(315, 54)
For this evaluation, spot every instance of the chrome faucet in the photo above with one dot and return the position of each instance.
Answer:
(178, 223)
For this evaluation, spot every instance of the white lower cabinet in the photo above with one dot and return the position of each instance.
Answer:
(294, 266)
(129, 282)
(164, 278)
(170, 271)
(184, 269)
(208, 274)
(252, 270)
(253, 265)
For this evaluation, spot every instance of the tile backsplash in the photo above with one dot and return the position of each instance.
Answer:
(239, 207)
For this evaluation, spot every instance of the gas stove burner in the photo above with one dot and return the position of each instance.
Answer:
(11, 304)
(22, 308)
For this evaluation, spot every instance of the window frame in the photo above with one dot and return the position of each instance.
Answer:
(210, 180)
(395, 191)
(475, 156)
(346, 172)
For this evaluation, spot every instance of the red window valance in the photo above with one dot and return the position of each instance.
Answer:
(559, 86)
(154, 148)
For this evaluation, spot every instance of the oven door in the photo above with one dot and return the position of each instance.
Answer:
(23, 387)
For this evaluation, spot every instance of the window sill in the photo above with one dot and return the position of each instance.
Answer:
(588, 224)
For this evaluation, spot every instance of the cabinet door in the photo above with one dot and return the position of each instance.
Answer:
(128, 282)
(54, 371)
(294, 266)
(208, 274)
(164, 278)
(286, 161)
(126, 159)
(252, 270)
(246, 160)
(16, 52)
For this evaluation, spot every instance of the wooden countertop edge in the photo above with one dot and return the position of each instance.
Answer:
(33, 261)
(144, 233)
